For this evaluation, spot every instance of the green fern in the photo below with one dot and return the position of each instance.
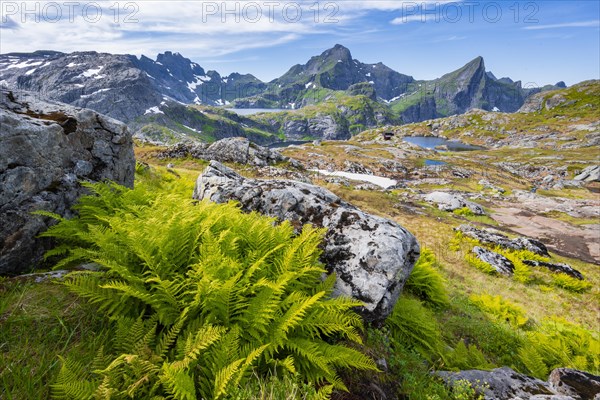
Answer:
(463, 357)
(558, 343)
(426, 282)
(500, 309)
(571, 284)
(201, 296)
(473, 261)
(414, 326)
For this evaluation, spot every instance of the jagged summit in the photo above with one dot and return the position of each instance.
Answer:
(127, 87)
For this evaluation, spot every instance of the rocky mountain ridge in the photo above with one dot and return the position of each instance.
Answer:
(138, 91)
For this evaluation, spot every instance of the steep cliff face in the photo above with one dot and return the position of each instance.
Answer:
(457, 92)
(122, 86)
(334, 69)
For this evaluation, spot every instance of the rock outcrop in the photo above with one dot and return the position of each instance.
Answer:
(560, 268)
(576, 384)
(500, 263)
(371, 256)
(450, 202)
(238, 150)
(489, 237)
(506, 384)
(589, 174)
(46, 148)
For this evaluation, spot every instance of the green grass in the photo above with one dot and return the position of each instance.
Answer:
(39, 321)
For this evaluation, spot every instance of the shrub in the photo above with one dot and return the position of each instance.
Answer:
(426, 282)
(571, 284)
(500, 309)
(201, 297)
(464, 212)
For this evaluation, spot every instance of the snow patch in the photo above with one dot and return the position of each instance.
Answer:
(72, 65)
(85, 96)
(368, 74)
(309, 84)
(31, 71)
(374, 179)
(25, 64)
(192, 129)
(495, 109)
(153, 110)
(199, 80)
(93, 72)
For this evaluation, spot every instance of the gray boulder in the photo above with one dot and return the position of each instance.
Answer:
(561, 268)
(488, 237)
(46, 148)
(500, 383)
(238, 150)
(577, 384)
(371, 256)
(449, 202)
(241, 150)
(589, 174)
(500, 263)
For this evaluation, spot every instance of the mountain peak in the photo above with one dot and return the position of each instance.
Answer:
(338, 52)
(477, 63)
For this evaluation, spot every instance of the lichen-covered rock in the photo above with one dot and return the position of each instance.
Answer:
(489, 237)
(450, 202)
(562, 268)
(46, 148)
(371, 256)
(500, 263)
(500, 383)
(589, 174)
(577, 384)
(238, 150)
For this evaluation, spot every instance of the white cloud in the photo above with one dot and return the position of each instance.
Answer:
(581, 24)
(208, 28)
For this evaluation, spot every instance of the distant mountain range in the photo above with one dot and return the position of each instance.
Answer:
(137, 90)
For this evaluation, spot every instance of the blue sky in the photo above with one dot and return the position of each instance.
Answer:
(537, 42)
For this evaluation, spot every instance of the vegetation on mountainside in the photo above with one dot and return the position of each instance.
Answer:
(116, 233)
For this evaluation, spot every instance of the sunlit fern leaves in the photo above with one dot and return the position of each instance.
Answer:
(201, 295)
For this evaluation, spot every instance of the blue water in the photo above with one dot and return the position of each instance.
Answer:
(434, 162)
(288, 143)
(431, 142)
(251, 111)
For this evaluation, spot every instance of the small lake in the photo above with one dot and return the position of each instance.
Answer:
(251, 111)
(431, 142)
(434, 163)
(280, 145)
